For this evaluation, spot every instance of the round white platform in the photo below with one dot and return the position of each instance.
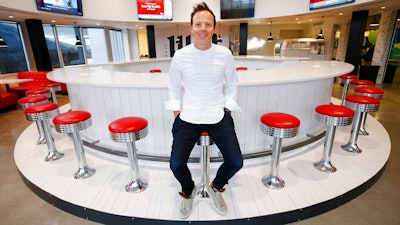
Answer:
(102, 198)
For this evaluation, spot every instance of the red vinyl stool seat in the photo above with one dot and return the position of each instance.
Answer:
(241, 68)
(360, 83)
(53, 88)
(42, 113)
(205, 143)
(72, 122)
(129, 130)
(38, 91)
(345, 79)
(26, 102)
(332, 116)
(373, 92)
(155, 71)
(359, 104)
(278, 125)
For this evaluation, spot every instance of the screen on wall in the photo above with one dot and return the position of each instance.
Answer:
(73, 7)
(317, 4)
(236, 9)
(154, 9)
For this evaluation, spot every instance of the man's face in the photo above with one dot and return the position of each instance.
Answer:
(203, 29)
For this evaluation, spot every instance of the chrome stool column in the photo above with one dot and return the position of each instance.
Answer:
(53, 88)
(278, 125)
(43, 112)
(359, 104)
(332, 116)
(129, 130)
(373, 92)
(72, 122)
(345, 79)
(26, 102)
(205, 143)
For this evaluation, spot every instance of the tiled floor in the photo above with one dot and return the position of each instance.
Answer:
(379, 205)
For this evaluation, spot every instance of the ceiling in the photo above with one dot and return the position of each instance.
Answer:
(374, 8)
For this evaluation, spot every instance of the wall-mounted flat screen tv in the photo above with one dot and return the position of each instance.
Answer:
(72, 7)
(154, 9)
(318, 4)
(236, 9)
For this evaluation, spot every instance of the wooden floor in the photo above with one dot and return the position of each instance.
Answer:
(103, 196)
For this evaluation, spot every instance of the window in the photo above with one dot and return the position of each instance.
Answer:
(71, 54)
(95, 43)
(13, 57)
(51, 41)
(117, 45)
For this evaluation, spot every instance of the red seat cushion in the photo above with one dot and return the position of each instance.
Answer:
(127, 125)
(37, 91)
(280, 120)
(71, 117)
(362, 99)
(39, 108)
(369, 90)
(155, 71)
(243, 68)
(32, 99)
(204, 133)
(8, 99)
(362, 82)
(348, 76)
(334, 110)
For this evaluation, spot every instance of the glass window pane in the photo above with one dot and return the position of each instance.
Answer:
(12, 58)
(117, 45)
(52, 46)
(67, 36)
(96, 47)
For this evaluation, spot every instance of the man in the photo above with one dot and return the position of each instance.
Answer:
(207, 74)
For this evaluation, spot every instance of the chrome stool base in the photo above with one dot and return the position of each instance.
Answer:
(53, 155)
(325, 166)
(273, 182)
(136, 186)
(84, 172)
(351, 147)
(202, 190)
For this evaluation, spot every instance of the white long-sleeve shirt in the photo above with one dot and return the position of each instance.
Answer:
(202, 83)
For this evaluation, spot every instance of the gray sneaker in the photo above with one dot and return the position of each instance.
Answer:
(218, 200)
(187, 203)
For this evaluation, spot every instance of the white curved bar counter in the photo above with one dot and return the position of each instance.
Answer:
(271, 84)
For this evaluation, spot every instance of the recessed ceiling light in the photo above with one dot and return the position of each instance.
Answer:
(53, 21)
(11, 17)
(383, 7)
(340, 14)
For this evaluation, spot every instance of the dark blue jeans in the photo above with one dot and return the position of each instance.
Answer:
(185, 136)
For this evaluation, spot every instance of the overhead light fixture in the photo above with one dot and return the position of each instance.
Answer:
(374, 22)
(78, 42)
(270, 38)
(3, 44)
(320, 35)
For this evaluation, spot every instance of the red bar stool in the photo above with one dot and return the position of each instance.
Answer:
(129, 130)
(155, 71)
(43, 112)
(373, 92)
(72, 122)
(53, 88)
(241, 68)
(37, 92)
(205, 143)
(278, 125)
(26, 102)
(345, 79)
(332, 116)
(359, 104)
